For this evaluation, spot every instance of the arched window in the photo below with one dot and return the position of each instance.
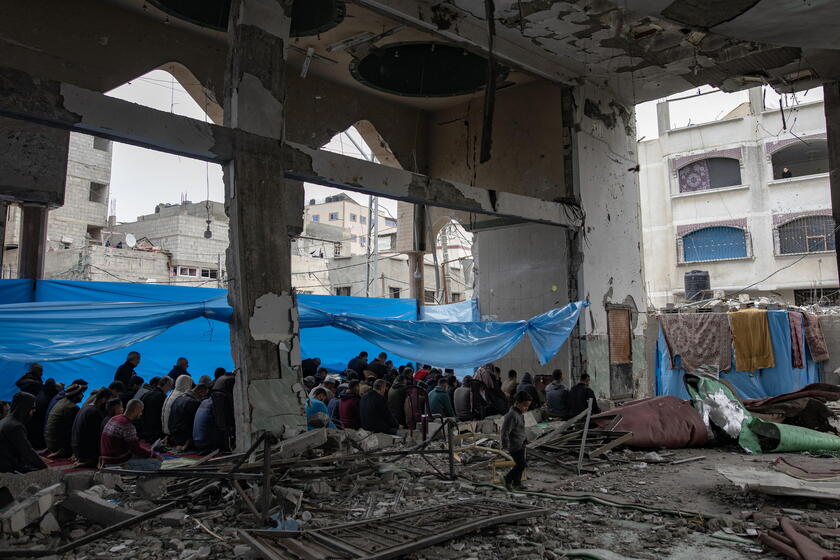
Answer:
(714, 243)
(809, 234)
(808, 157)
(709, 173)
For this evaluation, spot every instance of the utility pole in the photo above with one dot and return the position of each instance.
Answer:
(372, 245)
(444, 236)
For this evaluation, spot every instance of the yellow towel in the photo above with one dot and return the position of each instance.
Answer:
(751, 332)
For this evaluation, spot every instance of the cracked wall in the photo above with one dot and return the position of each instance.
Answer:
(606, 179)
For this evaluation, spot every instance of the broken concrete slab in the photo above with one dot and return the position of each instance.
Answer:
(780, 484)
(174, 518)
(92, 506)
(301, 443)
(23, 512)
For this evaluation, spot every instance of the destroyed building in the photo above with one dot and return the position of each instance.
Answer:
(515, 118)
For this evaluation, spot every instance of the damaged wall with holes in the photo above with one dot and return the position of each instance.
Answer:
(611, 273)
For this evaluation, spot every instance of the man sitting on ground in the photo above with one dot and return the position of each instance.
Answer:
(359, 363)
(59, 428)
(317, 414)
(179, 369)
(579, 396)
(182, 415)
(373, 410)
(557, 396)
(120, 445)
(125, 372)
(348, 409)
(396, 397)
(87, 429)
(439, 402)
(378, 366)
(151, 423)
(16, 453)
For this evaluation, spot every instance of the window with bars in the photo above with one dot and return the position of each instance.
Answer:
(342, 290)
(710, 173)
(429, 296)
(714, 243)
(394, 291)
(826, 297)
(808, 234)
(337, 249)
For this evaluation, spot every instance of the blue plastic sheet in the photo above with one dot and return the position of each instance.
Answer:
(783, 378)
(463, 311)
(90, 325)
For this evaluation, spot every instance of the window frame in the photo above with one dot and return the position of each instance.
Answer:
(352, 217)
(316, 218)
(778, 230)
(679, 184)
(681, 260)
(340, 291)
(96, 185)
(195, 271)
(334, 216)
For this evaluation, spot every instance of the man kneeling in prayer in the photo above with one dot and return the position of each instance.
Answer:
(120, 445)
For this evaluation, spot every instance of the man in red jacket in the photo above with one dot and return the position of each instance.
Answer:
(120, 445)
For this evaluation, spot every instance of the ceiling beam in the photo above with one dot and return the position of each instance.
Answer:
(65, 106)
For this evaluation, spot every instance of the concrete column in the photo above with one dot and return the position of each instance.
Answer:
(416, 268)
(831, 95)
(663, 117)
(33, 241)
(756, 100)
(264, 332)
(4, 213)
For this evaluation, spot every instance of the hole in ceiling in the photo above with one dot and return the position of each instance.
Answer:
(309, 17)
(422, 70)
(206, 13)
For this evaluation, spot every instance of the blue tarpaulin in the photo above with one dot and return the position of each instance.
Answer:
(83, 329)
(783, 378)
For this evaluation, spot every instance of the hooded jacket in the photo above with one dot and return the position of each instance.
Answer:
(396, 401)
(557, 397)
(16, 453)
(59, 428)
(182, 417)
(183, 384)
(527, 385)
(35, 426)
(150, 422)
(222, 398)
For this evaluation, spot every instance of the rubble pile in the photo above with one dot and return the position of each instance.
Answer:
(437, 497)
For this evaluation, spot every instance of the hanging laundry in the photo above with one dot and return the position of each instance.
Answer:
(814, 337)
(698, 338)
(796, 342)
(751, 332)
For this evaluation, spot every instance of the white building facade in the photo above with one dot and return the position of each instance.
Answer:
(746, 199)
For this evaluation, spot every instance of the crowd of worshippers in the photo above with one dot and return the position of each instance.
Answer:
(378, 397)
(125, 424)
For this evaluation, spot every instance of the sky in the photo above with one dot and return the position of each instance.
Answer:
(141, 178)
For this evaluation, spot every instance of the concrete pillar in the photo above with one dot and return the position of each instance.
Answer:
(831, 95)
(663, 117)
(264, 333)
(33, 241)
(756, 100)
(416, 268)
(4, 213)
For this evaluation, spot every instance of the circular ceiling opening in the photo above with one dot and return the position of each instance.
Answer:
(422, 70)
(310, 17)
(206, 13)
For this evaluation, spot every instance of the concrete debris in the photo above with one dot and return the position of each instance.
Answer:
(626, 504)
(780, 484)
(92, 505)
(22, 513)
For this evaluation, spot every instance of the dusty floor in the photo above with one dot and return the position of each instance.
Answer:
(580, 523)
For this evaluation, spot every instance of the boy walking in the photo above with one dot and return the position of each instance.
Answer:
(513, 439)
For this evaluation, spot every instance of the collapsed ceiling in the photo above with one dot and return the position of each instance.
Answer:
(431, 53)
